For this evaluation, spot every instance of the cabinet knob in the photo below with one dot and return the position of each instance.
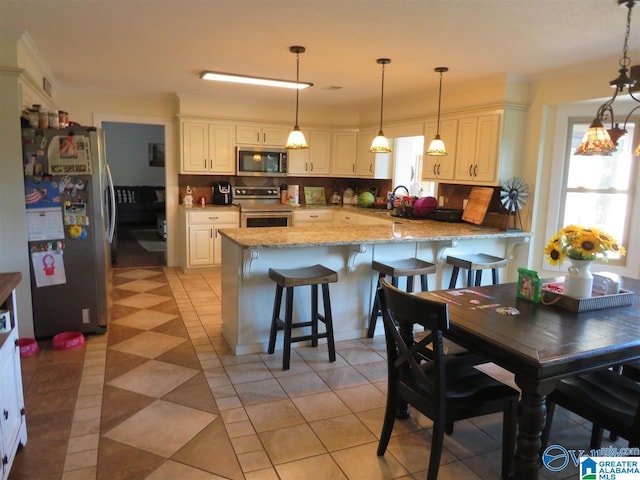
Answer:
(438, 169)
(435, 171)
(475, 170)
(311, 163)
(313, 216)
(371, 168)
(470, 170)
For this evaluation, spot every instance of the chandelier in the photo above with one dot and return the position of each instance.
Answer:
(296, 138)
(601, 141)
(380, 143)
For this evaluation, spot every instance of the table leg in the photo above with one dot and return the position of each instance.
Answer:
(532, 412)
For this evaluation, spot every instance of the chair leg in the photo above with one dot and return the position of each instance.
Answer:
(387, 423)
(274, 319)
(478, 278)
(495, 275)
(375, 311)
(410, 283)
(314, 315)
(509, 428)
(424, 283)
(288, 320)
(437, 440)
(328, 321)
(454, 278)
(596, 437)
(469, 278)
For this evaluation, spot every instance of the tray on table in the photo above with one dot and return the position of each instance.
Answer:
(551, 294)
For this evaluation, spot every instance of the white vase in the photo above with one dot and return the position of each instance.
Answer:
(578, 282)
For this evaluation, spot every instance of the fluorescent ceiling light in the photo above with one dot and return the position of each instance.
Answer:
(267, 82)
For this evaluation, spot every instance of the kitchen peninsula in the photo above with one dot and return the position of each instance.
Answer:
(248, 253)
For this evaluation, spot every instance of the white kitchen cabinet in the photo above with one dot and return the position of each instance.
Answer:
(347, 218)
(203, 236)
(208, 148)
(312, 216)
(344, 147)
(440, 168)
(13, 430)
(355, 218)
(267, 135)
(477, 148)
(319, 152)
(371, 165)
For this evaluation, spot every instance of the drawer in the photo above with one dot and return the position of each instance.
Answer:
(313, 216)
(211, 217)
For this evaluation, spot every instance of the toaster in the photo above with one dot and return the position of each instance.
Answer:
(222, 193)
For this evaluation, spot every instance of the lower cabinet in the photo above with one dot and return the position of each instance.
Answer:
(203, 236)
(13, 430)
(312, 216)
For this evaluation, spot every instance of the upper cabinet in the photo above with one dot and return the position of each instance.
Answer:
(435, 167)
(371, 165)
(478, 148)
(207, 148)
(343, 153)
(267, 135)
(319, 152)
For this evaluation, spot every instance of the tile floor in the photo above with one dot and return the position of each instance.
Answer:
(160, 396)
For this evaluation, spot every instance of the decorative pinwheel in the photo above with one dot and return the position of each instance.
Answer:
(513, 197)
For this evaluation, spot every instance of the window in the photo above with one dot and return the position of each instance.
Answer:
(599, 190)
(408, 153)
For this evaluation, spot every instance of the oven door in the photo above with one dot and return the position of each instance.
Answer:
(265, 219)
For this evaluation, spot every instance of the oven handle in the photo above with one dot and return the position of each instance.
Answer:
(268, 215)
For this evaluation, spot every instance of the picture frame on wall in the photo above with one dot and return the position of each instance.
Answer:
(156, 154)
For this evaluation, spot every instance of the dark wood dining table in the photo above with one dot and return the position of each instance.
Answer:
(540, 344)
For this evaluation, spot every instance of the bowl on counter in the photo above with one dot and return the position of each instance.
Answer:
(447, 214)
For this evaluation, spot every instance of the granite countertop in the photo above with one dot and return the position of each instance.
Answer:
(328, 234)
(209, 207)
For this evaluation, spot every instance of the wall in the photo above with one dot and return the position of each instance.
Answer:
(127, 146)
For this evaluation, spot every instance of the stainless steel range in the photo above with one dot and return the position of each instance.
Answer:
(261, 207)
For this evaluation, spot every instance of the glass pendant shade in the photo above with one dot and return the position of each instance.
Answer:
(436, 147)
(380, 144)
(636, 152)
(296, 139)
(596, 141)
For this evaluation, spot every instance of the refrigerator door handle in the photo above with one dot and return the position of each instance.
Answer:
(112, 199)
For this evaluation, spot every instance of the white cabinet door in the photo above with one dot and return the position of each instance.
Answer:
(478, 147)
(272, 136)
(195, 147)
(319, 152)
(298, 160)
(344, 153)
(208, 148)
(314, 216)
(371, 165)
(200, 246)
(440, 167)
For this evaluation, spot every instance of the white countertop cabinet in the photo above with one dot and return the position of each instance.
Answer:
(344, 154)
(203, 247)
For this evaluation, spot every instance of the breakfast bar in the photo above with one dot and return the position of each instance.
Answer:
(248, 253)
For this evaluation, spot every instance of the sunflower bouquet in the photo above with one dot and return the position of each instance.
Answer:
(580, 243)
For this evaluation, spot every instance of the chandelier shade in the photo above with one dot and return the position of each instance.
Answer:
(598, 140)
(296, 140)
(380, 143)
(436, 147)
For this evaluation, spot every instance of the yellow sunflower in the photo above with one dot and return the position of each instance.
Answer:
(554, 253)
(588, 244)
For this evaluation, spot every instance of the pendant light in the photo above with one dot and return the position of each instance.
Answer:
(436, 147)
(380, 144)
(598, 140)
(296, 138)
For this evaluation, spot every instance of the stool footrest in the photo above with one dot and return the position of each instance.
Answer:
(302, 338)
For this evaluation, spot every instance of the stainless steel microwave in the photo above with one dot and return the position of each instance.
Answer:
(261, 161)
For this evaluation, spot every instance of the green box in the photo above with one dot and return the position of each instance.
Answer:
(528, 285)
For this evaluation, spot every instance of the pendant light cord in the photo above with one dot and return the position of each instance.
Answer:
(439, 100)
(382, 97)
(297, 85)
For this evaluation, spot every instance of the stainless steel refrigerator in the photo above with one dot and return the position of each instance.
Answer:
(70, 225)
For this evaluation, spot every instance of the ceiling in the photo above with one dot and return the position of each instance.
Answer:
(161, 46)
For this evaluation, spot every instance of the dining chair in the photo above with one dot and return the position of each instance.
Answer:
(445, 388)
(606, 398)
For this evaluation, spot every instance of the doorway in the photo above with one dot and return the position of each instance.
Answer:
(135, 153)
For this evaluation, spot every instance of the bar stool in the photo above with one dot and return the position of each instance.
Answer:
(296, 277)
(396, 269)
(476, 262)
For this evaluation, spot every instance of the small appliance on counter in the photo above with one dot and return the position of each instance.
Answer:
(347, 196)
(222, 193)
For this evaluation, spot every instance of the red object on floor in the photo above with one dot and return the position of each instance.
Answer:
(28, 347)
(67, 340)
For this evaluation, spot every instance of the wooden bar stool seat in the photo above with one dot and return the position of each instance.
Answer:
(314, 276)
(475, 263)
(408, 268)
